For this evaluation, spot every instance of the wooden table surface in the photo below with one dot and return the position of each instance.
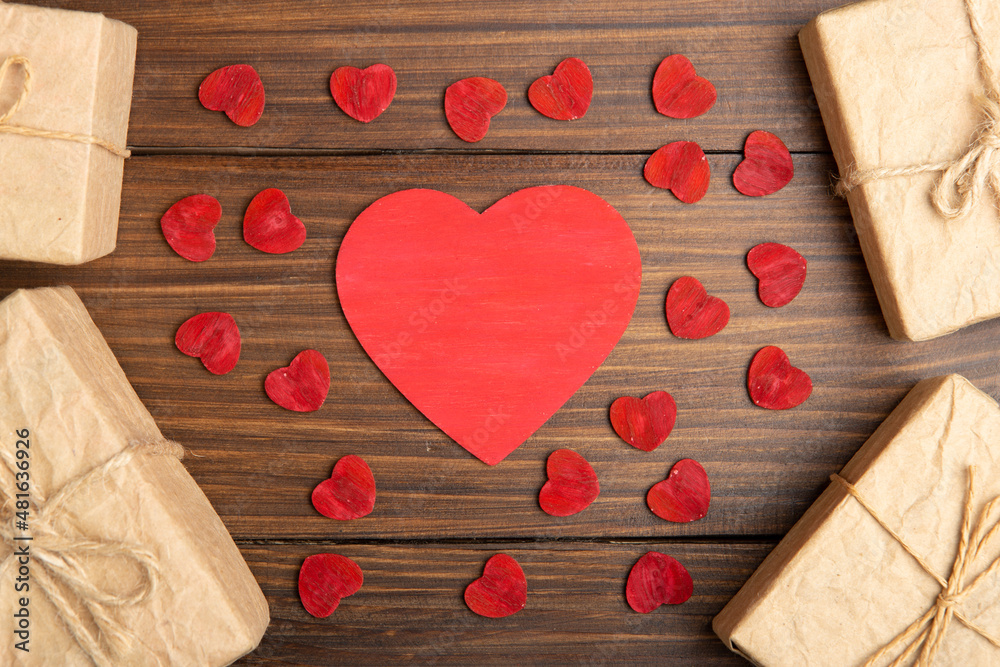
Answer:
(441, 513)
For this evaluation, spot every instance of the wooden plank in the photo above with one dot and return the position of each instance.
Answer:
(410, 608)
(748, 50)
(258, 462)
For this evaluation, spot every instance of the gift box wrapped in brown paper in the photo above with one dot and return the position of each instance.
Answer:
(895, 559)
(910, 100)
(127, 562)
(65, 96)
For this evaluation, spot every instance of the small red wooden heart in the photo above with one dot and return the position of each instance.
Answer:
(774, 383)
(501, 591)
(683, 496)
(566, 93)
(237, 90)
(269, 224)
(212, 337)
(469, 105)
(767, 167)
(644, 423)
(188, 226)
(780, 271)
(363, 94)
(680, 167)
(572, 484)
(680, 93)
(301, 386)
(350, 491)
(692, 313)
(326, 578)
(657, 579)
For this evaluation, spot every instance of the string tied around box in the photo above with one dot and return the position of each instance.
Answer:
(965, 179)
(926, 634)
(56, 560)
(7, 127)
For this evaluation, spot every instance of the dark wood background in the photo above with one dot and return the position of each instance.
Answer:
(441, 513)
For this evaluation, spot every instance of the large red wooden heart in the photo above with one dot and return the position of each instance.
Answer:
(489, 322)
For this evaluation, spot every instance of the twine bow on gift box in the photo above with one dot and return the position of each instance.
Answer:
(927, 632)
(967, 177)
(7, 127)
(59, 570)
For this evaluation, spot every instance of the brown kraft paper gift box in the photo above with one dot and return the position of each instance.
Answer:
(129, 564)
(59, 197)
(841, 590)
(899, 86)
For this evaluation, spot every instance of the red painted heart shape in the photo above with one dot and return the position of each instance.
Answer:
(767, 166)
(657, 579)
(572, 484)
(489, 322)
(237, 90)
(301, 386)
(350, 491)
(501, 591)
(188, 226)
(469, 105)
(269, 225)
(692, 312)
(644, 423)
(680, 167)
(324, 579)
(780, 270)
(680, 93)
(565, 94)
(363, 94)
(774, 383)
(684, 495)
(212, 337)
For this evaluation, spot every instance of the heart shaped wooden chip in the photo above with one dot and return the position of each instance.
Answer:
(350, 491)
(657, 579)
(680, 93)
(269, 225)
(501, 591)
(680, 167)
(767, 166)
(324, 579)
(774, 383)
(189, 226)
(469, 105)
(644, 423)
(301, 386)
(683, 496)
(237, 90)
(363, 94)
(780, 270)
(692, 312)
(572, 484)
(212, 337)
(566, 93)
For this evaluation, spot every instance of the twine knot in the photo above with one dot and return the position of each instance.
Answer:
(948, 601)
(61, 574)
(7, 127)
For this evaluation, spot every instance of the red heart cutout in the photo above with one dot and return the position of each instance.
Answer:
(363, 94)
(269, 224)
(301, 386)
(495, 319)
(692, 313)
(572, 484)
(780, 270)
(469, 105)
(683, 496)
(644, 423)
(680, 167)
(680, 93)
(237, 90)
(212, 337)
(326, 578)
(774, 383)
(565, 94)
(767, 168)
(501, 591)
(188, 225)
(657, 579)
(350, 491)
